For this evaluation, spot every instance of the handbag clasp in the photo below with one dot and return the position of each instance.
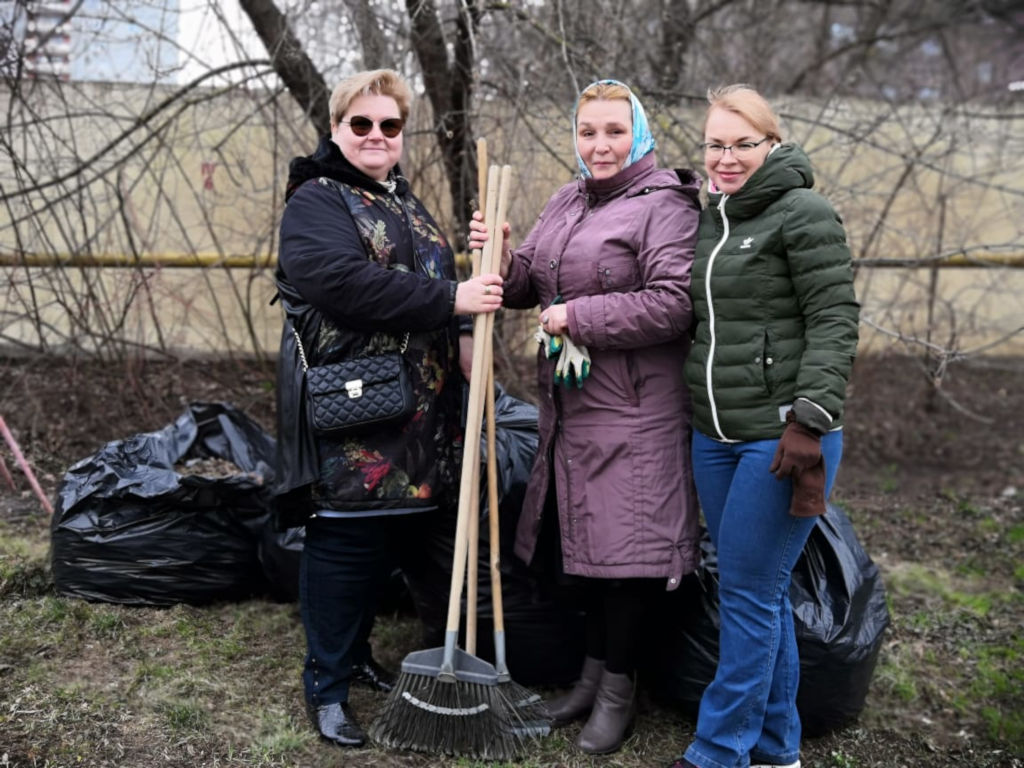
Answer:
(354, 388)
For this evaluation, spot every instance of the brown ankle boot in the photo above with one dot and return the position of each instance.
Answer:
(578, 702)
(612, 716)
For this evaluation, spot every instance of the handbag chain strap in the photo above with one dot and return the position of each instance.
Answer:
(302, 351)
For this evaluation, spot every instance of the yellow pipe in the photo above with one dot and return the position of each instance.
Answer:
(957, 260)
(202, 260)
(174, 260)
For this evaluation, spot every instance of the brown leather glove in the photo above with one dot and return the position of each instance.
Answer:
(799, 456)
(799, 449)
(809, 491)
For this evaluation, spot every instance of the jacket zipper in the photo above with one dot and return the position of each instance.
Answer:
(711, 318)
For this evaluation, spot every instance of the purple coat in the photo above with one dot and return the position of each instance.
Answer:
(619, 252)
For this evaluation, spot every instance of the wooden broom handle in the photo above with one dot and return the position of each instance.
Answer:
(492, 497)
(492, 453)
(473, 533)
(469, 484)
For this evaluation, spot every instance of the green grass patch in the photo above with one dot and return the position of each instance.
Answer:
(999, 681)
(889, 480)
(897, 676)
(933, 585)
(184, 717)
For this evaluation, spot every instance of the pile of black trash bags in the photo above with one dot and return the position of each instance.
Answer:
(182, 515)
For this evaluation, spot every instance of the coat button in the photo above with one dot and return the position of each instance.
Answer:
(553, 263)
(757, 359)
(768, 361)
(671, 581)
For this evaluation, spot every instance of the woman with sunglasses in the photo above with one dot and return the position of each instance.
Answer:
(363, 269)
(610, 505)
(776, 336)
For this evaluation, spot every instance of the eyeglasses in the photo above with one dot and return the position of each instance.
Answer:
(361, 126)
(742, 148)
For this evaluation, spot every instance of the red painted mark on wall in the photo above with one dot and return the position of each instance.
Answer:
(207, 170)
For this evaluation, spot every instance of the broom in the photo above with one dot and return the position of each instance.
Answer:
(522, 705)
(445, 699)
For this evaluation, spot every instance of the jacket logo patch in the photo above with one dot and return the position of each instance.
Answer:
(747, 242)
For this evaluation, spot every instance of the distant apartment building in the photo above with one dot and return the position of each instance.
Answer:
(35, 38)
(93, 40)
(48, 39)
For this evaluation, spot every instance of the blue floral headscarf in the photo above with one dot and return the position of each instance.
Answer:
(643, 141)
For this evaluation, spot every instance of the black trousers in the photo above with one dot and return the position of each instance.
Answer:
(346, 563)
(614, 609)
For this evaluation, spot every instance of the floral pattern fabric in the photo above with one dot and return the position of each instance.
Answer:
(415, 463)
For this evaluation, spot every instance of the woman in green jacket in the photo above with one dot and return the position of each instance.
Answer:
(775, 341)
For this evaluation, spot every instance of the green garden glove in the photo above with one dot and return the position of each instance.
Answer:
(573, 365)
(552, 344)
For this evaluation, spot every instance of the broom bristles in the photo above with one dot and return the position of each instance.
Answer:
(485, 722)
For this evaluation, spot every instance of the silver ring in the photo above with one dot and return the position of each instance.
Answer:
(487, 290)
(543, 319)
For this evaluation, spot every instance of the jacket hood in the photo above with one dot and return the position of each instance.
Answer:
(786, 168)
(328, 161)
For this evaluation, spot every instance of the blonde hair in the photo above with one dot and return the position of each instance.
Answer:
(602, 91)
(374, 82)
(746, 102)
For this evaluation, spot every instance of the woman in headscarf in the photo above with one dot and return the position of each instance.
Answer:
(611, 495)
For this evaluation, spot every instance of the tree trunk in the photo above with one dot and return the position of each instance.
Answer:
(667, 60)
(449, 88)
(376, 53)
(299, 75)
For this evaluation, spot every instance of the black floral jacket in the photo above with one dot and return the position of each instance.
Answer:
(360, 267)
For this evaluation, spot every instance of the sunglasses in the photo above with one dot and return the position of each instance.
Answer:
(361, 126)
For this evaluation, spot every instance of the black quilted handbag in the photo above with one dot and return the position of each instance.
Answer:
(359, 394)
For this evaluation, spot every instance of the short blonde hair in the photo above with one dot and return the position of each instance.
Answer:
(374, 82)
(602, 91)
(746, 102)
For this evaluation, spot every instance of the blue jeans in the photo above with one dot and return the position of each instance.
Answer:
(748, 712)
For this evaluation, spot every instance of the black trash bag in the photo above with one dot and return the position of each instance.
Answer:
(680, 654)
(165, 517)
(280, 553)
(839, 612)
(544, 642)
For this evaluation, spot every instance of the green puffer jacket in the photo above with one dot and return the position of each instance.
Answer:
(775, 307)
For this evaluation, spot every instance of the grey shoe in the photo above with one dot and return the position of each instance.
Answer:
(611, 719)
(578, 702)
